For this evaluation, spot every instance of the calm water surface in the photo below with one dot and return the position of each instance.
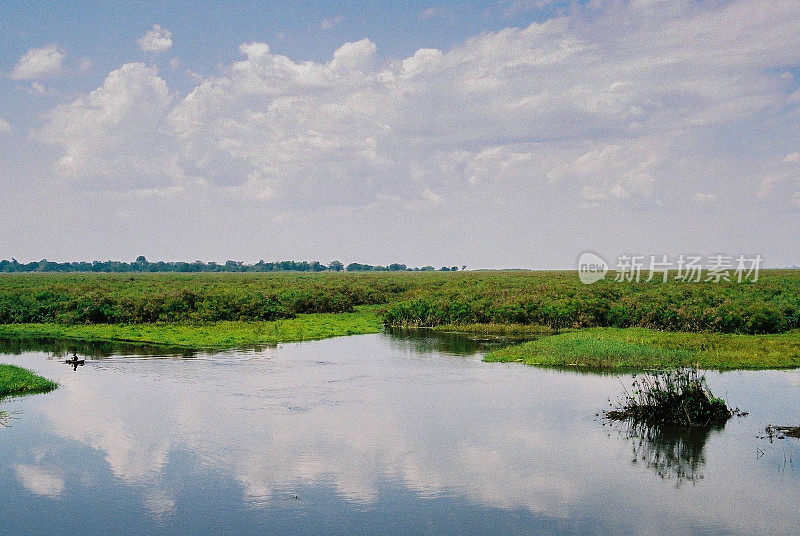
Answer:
(377, 434)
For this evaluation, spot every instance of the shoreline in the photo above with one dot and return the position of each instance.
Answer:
(600, 349)
(211, 335)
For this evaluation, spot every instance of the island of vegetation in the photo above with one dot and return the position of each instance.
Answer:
(674, 397)
(17, 381)
(607, 325)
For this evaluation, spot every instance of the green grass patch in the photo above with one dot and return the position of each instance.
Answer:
(214, 335)
(616, 349)
(16, 381)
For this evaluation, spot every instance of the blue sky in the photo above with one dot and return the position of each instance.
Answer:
(510, 133)
(207, 34)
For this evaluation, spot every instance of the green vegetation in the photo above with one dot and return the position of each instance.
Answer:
(226, 334)
(721, 325)
(677, 397)
(615, 349)
(185, 298)
(553, 299)
(559, 300)
(15, 381)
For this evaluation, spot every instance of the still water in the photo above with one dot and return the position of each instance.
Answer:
(376, 434)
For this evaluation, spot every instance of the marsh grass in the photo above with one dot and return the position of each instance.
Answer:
(210, 335)
(616, 350)
(16, 381)
(677, 398)
(586, 350)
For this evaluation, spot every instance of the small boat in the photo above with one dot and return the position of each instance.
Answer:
(75, 362)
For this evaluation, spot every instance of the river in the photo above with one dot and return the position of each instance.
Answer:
(377, 434)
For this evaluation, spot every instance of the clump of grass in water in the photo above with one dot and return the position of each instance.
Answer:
(16, 381)
(677, 397)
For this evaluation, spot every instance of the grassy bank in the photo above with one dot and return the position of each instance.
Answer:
(15, 381)
(214, 335)
(615, 349)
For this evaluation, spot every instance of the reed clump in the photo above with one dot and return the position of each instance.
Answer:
(677, 397)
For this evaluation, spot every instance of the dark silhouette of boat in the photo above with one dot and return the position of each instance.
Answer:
(75, 362)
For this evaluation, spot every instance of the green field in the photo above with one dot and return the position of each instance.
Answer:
(15, 381)
(723, 325)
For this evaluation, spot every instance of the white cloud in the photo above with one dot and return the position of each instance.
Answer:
(157, 40)
(613, 105)
(114, 137)
(38, 88)
(358, 56)
(331, 22)
(40, 481)
(782, 181)
(769, 183)
(615, 171)
(5, 126)
(39, 63)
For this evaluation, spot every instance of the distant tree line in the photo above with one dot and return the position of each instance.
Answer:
(141, 264)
